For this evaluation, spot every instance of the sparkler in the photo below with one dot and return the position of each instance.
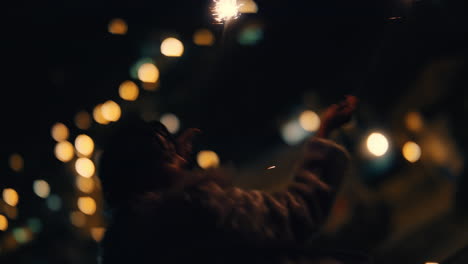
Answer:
(224, 11)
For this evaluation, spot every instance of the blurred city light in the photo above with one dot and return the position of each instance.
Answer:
(77, 218)
(117, 26)
(172, 47)
(203, 37)
(87, 205)
(225, 10)
(207, 159)
(98, 233)
(41, 188)
(59, 132)
(84, 145)
(85, 167)
(64, 151)
(377, 144)
(414, 121)
(411, 151)
(22, 235)
(98, 117)
(3, 223)
(16, 162)
(10, 196)
(83, 120)
(111, 111)
(85, 185)
(148, 73)
(248, 6)
(309, 121)
(250, 35)
(293, 133)
(171, 122)
(129, 91)
(54, 202)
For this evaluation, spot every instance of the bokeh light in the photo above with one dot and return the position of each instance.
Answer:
(85, 167)
(41, 188)
(85, 185)
(83, 120)
(22, 235)
(172, 47)
(87, 205)
(78, 219)
(148, 73)
(248, 6)
(54, 202)
(171, 122)
(411, 151)
(207, 159)
(203, 37)
(129, 91)
(117, 26)
(309, 121)
(98, 117)
(10, 211)
(414, 121)
(250, 35)
(377, 144)
(98, 233)
(293, 133)
(34, 224)
(3, 223)
(64, 151)
(111, 111)
(16, 162)
(84, 145)
(59, 132)
(10, 196)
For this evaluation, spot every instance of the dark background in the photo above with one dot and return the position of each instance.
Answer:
(396, 56)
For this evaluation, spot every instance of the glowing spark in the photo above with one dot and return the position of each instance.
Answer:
(271, 167)
(225, 10)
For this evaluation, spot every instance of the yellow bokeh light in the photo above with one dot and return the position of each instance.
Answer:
(16, 162)
(85, 167)
(172, 47)
(411, 151)
(111, 111)
(59, 132)
(83, 120)
(148, 73)
(84, 145)
(41, 188)
(85, 185)
(64, 151)
(377, 144)
(203, 37)
(98, 117)
(77, 219)
(309, 121)
(128, 90)
(118, 26)
(87, 205)
(207, 159)
(98, 233)
(171, 122)
(248, 6)
(3, 223)
(414, 121)
(10, 196)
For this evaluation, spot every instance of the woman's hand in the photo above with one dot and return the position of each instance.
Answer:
(337, 115)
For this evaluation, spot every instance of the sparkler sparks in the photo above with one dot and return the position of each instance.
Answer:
(271, 167)
(225, 10)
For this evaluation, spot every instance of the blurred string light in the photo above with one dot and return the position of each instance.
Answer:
(309, 121)
(171, 122)
(118, 26)
(78, 219)
(377, 144)
(411, 151)
(84, 145)
(22, 235)
(10, 196)
(414, 121)
(172, 47)
(54, 202)
(248, 6)
(87, 205)
(129, 91)
(3, 223)
(225, 10)
(59, 132)
(85, 167)
(98, 116)
(293, 133)
(111, 111)
(83, 120)
(207, 159)
(203, 37)
(41, 188)
(16, 162)
(148, 73)
(64, 151)
(85, 185)
(250, 35)
(34, 224)
(98, 233)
